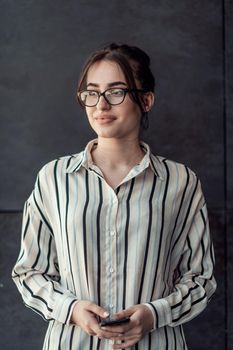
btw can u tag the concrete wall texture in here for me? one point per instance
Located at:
(43, 45)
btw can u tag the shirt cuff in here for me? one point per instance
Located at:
(64, 307)
(71, 311)
(161, 311)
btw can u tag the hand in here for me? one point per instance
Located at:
(141, 322)
(85, 315)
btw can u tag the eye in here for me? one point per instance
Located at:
(116, 92)
(90, 93)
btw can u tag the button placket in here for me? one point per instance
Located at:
(112, 268)
(112, 233)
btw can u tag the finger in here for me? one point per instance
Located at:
(112, 330)
(124, 313)
(95, 327)
(118, 329)
(99, 311)
(102, 333)
(91, 326)
(109, 335)
(123, 328)
(123, 337)
(126, 344)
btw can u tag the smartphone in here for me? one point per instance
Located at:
(109, 322)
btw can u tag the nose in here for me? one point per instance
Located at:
(103, 104)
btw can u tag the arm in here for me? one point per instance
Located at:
(36, 272)
(194, 283)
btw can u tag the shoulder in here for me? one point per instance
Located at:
(60, 165)
(51, 177)
(171, 169)
(177, 176)
(180, 182)
(50, 183)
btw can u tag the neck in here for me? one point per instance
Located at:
(115, 152)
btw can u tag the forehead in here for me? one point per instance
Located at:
(105, 72)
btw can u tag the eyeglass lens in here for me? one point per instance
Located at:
(112, 96)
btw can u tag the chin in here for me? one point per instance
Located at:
(107, 135)
(104, 132)
(114, 133)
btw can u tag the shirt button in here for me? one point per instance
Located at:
(111, 270)
(111, 306)
(112, 233)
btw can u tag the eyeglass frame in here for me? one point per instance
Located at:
(126, 90)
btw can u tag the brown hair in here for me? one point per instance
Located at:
(135, 64)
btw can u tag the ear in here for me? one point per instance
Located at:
(148, 100)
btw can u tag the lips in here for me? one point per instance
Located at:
(105, 116)
(102, 119)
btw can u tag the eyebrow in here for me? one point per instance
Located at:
(109, 85)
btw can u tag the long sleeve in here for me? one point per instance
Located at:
(146, 243)
(194, 283)
(36, 272)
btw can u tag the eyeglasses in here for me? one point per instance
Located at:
(113, 96)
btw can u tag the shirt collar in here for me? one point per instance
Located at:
(84, 159)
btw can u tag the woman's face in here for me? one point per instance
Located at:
(108, 121)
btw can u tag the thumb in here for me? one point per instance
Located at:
(99, 311)
(123, 313)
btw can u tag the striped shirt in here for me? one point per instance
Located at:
(147, 241)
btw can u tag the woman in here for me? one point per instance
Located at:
(115, 232)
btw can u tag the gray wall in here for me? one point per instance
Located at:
(43, 46)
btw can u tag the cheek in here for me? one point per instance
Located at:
(134, 112)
